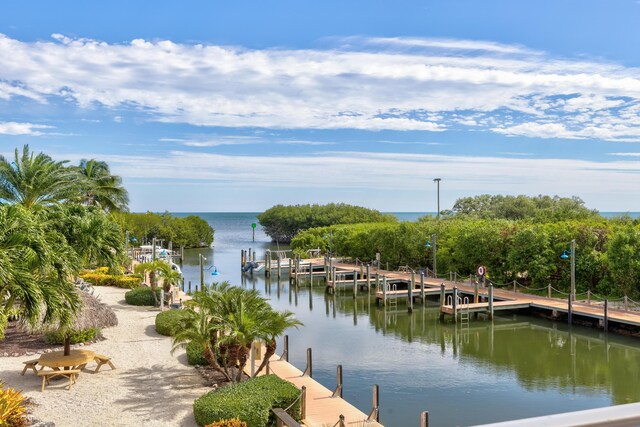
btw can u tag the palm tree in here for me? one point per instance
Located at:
(100, 188)
(169, 276)
(152, 268)
(276, 324)
(35, 267)
(36, 180)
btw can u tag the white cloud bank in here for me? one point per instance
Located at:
(404, 84)
(16, 128)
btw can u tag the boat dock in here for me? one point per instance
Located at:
(320, 406)
(456, 297)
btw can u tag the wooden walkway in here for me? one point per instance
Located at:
(321, 409)
(512, 300)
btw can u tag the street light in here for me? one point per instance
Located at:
(201, 258)
(572, 255)
(437, 181)
(433, 244)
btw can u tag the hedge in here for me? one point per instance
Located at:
(169, 322)
(76, 336)
(251, 401)
(100, 277)
(194, 354)
(141, 296)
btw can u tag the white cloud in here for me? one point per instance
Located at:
(478, 84)
(15, 128)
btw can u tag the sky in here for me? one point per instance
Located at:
(238, 106)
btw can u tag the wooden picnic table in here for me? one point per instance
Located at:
(76, 359)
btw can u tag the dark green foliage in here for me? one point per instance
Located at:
(141, 296)
(251, 401)
(85, 335)
(194, 354)
(282, 223)
(190, 231)
(541, 208)
(169, 322)
(607, 251)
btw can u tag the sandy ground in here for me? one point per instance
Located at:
(149, 387)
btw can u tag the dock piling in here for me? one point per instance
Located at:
(475, 293)
(490, 300)
(285, 351)
(424, 419)
(368, 278)
(338, 390)
(454, 304)
(189, 287)
(422, 287)
(308, 371)
(606, 315)
(374, 415)
(384, 290)
(410, 293)
(569, 309)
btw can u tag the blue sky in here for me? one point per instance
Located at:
(236, 106)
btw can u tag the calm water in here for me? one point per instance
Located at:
(516, 367)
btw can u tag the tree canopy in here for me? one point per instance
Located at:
(189, 231)
(282, 223)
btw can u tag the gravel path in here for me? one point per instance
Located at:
(150, 387)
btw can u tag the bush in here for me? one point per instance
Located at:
(194, 354)
(83, 335)
(100, 277)
(251, 401)
(141, 296)
(233, 422)
(169, 322)
(12, 409)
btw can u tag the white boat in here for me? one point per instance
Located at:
(146, 255)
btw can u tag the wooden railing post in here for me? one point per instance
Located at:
(374, 415)
(285, 351)
(424, 419)
(589, 296)
(338, 390)
(308, 371)
(303, 403)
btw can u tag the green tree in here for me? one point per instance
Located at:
(623, 259)
(36, 179)
(100, 187)
(152, 268)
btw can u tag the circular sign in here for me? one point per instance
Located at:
(254, 225)
(482, 270)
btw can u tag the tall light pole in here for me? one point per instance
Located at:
(437, 181)
(201, 258)
(572, 255)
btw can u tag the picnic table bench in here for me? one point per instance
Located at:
(72, 374)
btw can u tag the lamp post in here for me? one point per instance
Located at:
(437, 181)
(572, 255)
(433, 245)
(201, 259)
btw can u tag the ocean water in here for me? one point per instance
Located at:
(515, 367)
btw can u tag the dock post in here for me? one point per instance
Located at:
(377, 282)
(455, 280)
(290, 268)
(384, 290)
(355, 283)
(308, 371)
(303, 403)
(470, 280)
(241, 258)
(490, 300)
(253, 256)
(454, 302)
(626, 303)
(606, 315)
(450, 276)
(338, 390)
(443, 294)
(285, 351)
(183, 289)
(267, 263)
(374, 415)
(549, 290)
(515, 282)
(310, 274)
(181, 254)
(422, 287)
(569, 309)
(333, 275)
(368, 278)
(410, 293)
(424, 419)
(279, 268)
(475, 293)
(189, 287)
(589, 296)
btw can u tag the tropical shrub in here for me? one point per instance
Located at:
(141, 296)
(251, 401)
(169, 322)
(233, 422)
(194, 354)
(76, 336)
(282, 223)
(12, 409)
(100, 277)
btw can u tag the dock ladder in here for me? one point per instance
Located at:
(464, 311)
(393, 302)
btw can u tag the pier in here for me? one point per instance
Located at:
(457, 298)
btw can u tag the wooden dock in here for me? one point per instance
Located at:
(322, 409)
